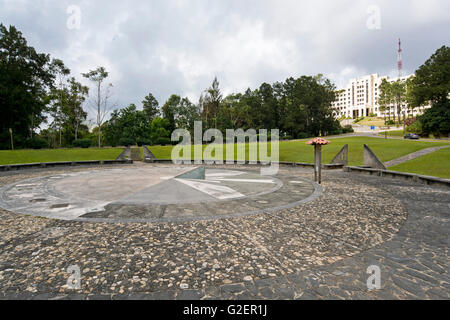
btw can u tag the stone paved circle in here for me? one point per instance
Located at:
(156, 193)
(315, 250)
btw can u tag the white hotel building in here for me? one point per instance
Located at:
(360, 97)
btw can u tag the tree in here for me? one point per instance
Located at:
(150, 107)
(211, 104)
(384, 99)
(431, 84)
(186, 114)
(324, 93)
(393, 94)
(305, 106)
(160, 131)
(298, 107)
(169, 110)
(58, 96)
(436, 120)
(398, 97)
(253, 104)
(76, 113)
(432, 79)
(409, 96)
(234, 111)
(25, 80)
(66, 108)
(112, 129)
(135, 125)
(102, 102)
(127, 124)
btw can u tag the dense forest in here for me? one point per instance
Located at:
(43, 105)
(298, 107)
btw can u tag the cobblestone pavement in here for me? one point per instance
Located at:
(318, 250)
(413, 155)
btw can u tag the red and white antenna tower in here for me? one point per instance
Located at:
(399, 60)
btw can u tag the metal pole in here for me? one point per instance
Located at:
(12, 141)
(318, 163)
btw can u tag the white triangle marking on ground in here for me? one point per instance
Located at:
(223, 174)
(249, 180)
(218, 192)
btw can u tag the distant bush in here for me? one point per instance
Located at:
(372, 115)
(410, 121)
(358, 120)
(5, 143)
(303, 135)
(82, 143)
(126, 142)
(347, 129)
(265, 136)
(287, 137)
(36, 143)
(143, 141)
(163, 141)
(389, 122)
(416, 128)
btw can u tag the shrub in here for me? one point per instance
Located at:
(126, 142)
(287, 137)
(36, 143)
(333, 132)
(265, 136)
(143, 141)
(82, 143)
(416, 128)
(163, 141)
(347, 129)
(303, 135)
(389, 122)
(5, 143)
(410, 121)
(436, 120)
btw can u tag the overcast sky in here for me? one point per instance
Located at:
(167, 47)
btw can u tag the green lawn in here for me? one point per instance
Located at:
(293, 151)
(399, 134)
(56, 155)
(394, 133)
(372, 121)
(435, 164)
(298, 151)
(377, 122)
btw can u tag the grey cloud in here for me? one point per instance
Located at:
(167, 47)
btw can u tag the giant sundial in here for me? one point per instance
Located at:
(156, 193)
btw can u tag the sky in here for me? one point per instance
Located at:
(179, 46)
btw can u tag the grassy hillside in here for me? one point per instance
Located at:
(55, 155)
(298, 151)
(434, 164)
(294, 151)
